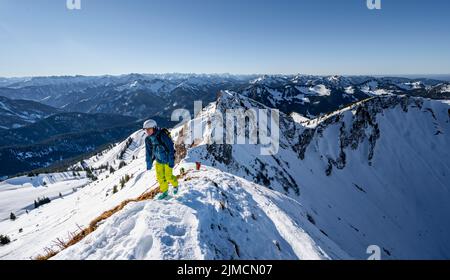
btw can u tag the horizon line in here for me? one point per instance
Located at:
(221, 74)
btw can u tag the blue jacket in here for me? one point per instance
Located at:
(159, 147)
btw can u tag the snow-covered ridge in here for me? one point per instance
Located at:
(370, 174)
(218, 216)
(299, 118)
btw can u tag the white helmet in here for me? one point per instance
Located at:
(149, 124)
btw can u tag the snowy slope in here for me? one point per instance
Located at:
(298, 118)
(18, 194)
(374, 173)
(320, 90)
(371, 174)
(217, 216)
(58, 219)
(168, 230)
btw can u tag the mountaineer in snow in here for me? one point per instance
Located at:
(159, 147)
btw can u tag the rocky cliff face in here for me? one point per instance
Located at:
(371, 161)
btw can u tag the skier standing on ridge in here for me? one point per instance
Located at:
(159, 147)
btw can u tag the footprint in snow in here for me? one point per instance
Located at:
(144, 246)
(174, 219)
(175, 230)
(127, 226)
(167, 212)
(167, 240)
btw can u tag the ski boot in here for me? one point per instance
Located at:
(163, 195)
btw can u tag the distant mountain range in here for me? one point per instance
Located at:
(141, 96)
(44, 120)
(315, 95)
(441, 77)
(17, 113)
(131, 95)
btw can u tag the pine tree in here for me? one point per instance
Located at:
(4, 239)
(12, 216)
(115, 189)
(41, 201)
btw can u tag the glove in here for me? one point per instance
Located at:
(149, 166)
(171, 164)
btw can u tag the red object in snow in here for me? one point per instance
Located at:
(197, 165)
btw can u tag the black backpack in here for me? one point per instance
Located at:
(167, 132)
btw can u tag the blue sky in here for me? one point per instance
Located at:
(43, 37)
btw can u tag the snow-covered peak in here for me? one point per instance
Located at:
(320, 90)
(270, 80)
(445, 88)
(299, 118)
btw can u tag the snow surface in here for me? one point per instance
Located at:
(350, 90)
(18, 194)
(242, 205)
(194, 226)
(299, 118)
(410, 85)
(61, 217)
(445, 88)
(320, 90)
